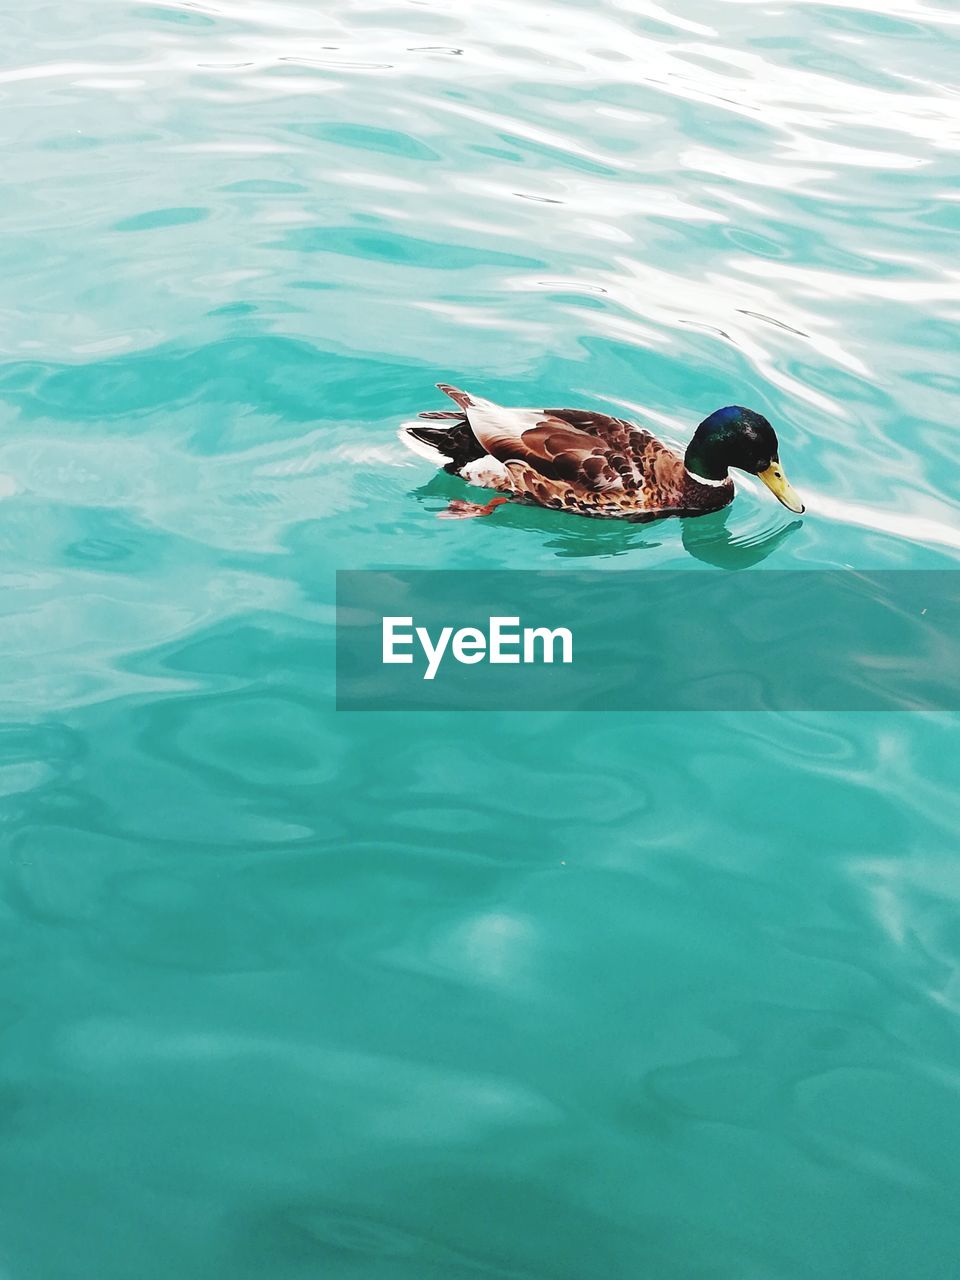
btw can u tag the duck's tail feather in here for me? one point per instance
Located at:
(425, 442)
(465, 399)
(451, 447)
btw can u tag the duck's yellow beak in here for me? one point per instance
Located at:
(781, 488)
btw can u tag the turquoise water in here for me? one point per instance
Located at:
(290, 993)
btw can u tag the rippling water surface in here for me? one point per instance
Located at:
(290, 994)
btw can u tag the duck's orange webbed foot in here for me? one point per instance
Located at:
(460, 509)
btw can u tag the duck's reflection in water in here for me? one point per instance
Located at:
(708, 538)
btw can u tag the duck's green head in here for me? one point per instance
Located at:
(738, 437)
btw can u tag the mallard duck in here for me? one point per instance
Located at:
(591, 464)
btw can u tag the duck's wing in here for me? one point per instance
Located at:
(637, 456)
(576, 458)
(590, 451)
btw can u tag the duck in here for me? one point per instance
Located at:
(592, 464)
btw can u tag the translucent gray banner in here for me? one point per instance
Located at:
(693, 640)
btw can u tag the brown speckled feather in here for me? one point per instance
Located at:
(584, 462)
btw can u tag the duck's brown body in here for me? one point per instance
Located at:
(573, 460)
